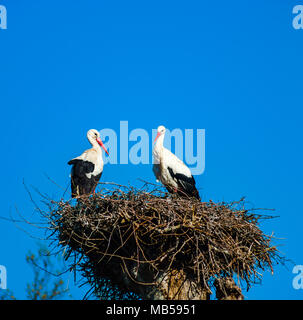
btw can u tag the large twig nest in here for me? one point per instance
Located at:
(127, 239)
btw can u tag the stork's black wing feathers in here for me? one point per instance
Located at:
(80, 183)
(82, 166)
(186, 185)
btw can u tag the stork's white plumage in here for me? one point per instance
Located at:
(87, 168)
(171, 171)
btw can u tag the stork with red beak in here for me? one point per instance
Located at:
(87, 168)
(171, 171)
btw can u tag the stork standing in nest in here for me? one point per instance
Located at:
(87, 168)
(171, 171)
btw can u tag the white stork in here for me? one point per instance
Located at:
(171, 171)
(87, 168)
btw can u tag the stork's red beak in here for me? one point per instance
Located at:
(157, 136)
(102, 145)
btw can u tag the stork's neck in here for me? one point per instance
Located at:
(95, 145)
(158, 148)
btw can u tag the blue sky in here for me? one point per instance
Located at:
(232, 68)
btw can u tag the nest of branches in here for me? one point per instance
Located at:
(129, 242)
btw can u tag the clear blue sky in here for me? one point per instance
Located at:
(233, 68)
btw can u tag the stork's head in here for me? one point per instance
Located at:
(160, 132)
(93, 136)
